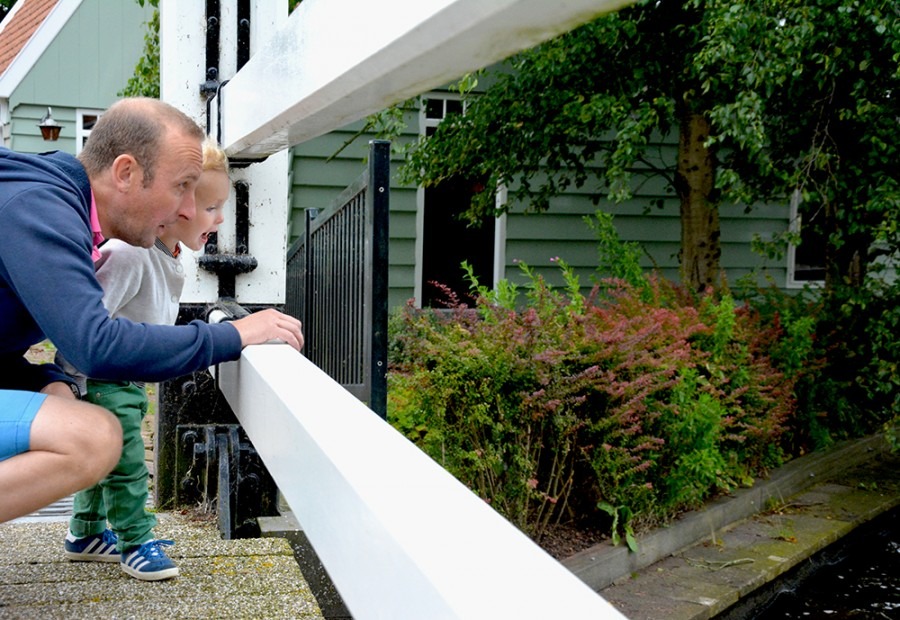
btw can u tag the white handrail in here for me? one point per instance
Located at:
(399, 536)
(335, 61)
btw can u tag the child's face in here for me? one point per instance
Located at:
(212, 192)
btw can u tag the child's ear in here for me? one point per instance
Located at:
(127, 173)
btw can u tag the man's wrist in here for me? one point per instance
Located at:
(75, 391)
(62, 389)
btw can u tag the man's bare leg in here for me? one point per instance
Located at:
(73, 445)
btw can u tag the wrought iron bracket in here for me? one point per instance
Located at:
(217, 466)
(227, 265)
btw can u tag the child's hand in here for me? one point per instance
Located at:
(266, 325)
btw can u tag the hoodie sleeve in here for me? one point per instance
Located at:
(48, 263)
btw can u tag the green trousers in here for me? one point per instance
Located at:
(121, 497)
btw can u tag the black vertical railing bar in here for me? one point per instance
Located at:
(356, 294)
(331, 314)
(243, 33)
(379, 205)
(211, 85)
(337, 283)
(308, 285)
(340, 323)
(358, 273)
(242, 217)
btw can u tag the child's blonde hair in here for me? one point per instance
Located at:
(214, 157)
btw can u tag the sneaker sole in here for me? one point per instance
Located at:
(157, 575)
(91, 557)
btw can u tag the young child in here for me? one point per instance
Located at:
(143, 285)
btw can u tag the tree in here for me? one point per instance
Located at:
(765, 97)
(810, 103)
(5, 6)
(768, 98)
(145, 81)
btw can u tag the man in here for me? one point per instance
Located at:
(137, 172)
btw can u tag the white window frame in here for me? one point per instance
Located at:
(4, 122)
(426, 123)
(81, 134)
(795, 226)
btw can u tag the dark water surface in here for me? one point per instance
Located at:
(858, 580)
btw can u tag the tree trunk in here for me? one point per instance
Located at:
(846, 264)
(700, 247)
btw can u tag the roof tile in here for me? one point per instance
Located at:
(24, 24)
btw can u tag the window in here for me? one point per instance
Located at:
(84, 123)
(443, 239)
(806, 261)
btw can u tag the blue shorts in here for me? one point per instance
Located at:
(17, 411)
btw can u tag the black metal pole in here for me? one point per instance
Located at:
(379, 197)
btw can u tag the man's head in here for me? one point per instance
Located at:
(143, 159)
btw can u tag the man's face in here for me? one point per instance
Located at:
(169, 197)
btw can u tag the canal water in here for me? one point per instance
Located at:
(856, 579)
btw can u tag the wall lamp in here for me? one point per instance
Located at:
(49, 127)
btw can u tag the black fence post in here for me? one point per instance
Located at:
(337, 282)
(379, 205)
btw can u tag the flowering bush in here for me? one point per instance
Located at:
(623, 407)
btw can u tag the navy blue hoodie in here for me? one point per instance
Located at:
(48, 288)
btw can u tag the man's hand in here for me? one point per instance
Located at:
(267, 325)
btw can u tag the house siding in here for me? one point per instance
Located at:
(89, 61)
(318, 176)
(537, 238)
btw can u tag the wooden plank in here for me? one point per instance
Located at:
(337, 61)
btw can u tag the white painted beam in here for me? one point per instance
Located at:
(400, 537)
(183, 70)
(337, 61)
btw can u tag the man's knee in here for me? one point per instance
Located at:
(105, 439)
(90, 437)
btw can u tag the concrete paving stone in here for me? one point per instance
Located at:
(247, 578)
(650, 597)
(43, 542)
(51, 572)
(238, 607)
(741, 572)
(250, 575)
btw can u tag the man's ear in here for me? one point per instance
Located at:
(126, 172)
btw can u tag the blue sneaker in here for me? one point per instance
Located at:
(96, 548)
(149, 562)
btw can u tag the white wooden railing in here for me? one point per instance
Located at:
(399, 536)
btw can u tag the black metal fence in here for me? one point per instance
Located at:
(337, 283)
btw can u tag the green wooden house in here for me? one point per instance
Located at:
(428, 243)
(70, 57)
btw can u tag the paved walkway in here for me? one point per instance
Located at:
(250, 578)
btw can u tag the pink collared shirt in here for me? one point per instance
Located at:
(95, 229)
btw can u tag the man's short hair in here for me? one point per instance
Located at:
(134, 126)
